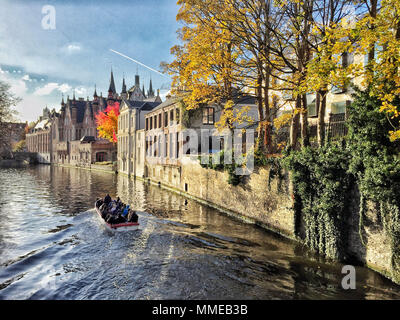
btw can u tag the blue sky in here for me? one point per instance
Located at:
(42, 64)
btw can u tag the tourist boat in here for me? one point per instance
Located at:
(126, 226)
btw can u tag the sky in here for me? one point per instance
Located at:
(42, 60)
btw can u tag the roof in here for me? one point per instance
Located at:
(80, 105)
(87, 139)
(245, 99)
(142, 105)
(153, 99)
(42, 124)
(166, 103)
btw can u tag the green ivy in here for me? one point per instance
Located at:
(322, 185)
(323, 178)
(375, 162)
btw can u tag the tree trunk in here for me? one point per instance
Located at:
(260, 141)
(295, 125)
(321, 117)
(371, 52)
(304, 122)
(267, 122)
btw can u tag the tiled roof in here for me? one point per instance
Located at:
(166, 103)
(142, 105)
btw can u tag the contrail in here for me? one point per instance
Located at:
(139, 63)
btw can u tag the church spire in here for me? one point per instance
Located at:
(111, 89)
(95, 92)
(144, 91)
(150, 93)
(124, 94)
(123, 85)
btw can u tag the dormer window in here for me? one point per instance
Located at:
(208, 115)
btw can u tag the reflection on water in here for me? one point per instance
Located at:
(53, 246)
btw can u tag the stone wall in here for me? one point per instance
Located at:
(271, 206)
(369, 242)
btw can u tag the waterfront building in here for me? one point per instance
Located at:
(169, 128)
(131, 135)
(70, 136)
(39, 137)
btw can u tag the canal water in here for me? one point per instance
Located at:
(54, 246)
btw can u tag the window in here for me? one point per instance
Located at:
(171, 146)
(171, 116)
(147, 123)
(312, 109)
(166, 146)
(151, 123)
(338, 107)
(208, 115)
(159, 121)
(177, 145)
(165, 119)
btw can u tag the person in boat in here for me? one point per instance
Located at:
(99, 202)
(107, 199)
(132, 216)
(125, 211)
(115, 218)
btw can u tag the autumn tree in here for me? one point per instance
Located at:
(379, 33)
(225, 46)
(107, 122)
(7, 113)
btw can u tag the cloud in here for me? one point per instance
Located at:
(26, 78)
(73, 48)
(64, 88)
(80, 91)
(50, 87)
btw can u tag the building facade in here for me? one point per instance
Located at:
(70, 136)
(131, 135)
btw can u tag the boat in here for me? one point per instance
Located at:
(126, 226)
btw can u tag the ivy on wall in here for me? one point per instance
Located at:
(322, 184)
(323, 178)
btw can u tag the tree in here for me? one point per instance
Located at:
(107, 122)
(7, 101)
(20, 146)
(225, 45)
(379, 33)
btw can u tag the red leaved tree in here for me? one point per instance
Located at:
(107, 122)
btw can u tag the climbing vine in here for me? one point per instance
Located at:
(376, 164)
(324, 177)
(322, 184)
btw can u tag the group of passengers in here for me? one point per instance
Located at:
(115, 211)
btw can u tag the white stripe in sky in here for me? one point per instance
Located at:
(138, 63)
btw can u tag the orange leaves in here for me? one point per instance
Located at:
(107, 122)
